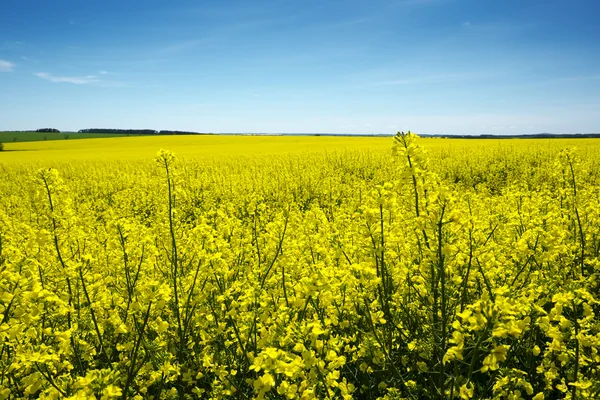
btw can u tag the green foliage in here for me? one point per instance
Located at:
(53, 130)
(46, 135)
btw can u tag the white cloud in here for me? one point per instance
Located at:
(77, 80)
(103, 72)
(6, 66)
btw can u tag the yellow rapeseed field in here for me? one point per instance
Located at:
(300, 267)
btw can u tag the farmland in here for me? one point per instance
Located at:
(9, 136)
(300, 267)
(198, 147)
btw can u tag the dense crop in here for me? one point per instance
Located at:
(461, 273)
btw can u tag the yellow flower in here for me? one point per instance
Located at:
(498, 354)
(466, 391)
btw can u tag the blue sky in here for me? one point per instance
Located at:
(377, 66)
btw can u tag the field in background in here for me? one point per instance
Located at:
(15, 137)
(300, 267)
(140, 148)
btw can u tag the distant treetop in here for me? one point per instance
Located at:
(138, 131)
(128, 131)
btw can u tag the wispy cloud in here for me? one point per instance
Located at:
(77, 80)
(184, 45)
(498, 28)
(103, 72)
(355, 21)
(429, 79)
(6, 66)
(11, 45)
(420, 2)
(227, 31)
(382, 11)
(582, 78)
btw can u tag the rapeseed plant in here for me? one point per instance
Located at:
(440, 272)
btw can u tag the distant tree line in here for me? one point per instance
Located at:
(163, 132)
(126, 131)
(13, 131)
(51, 130)
(138, 131)
(524, 136)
